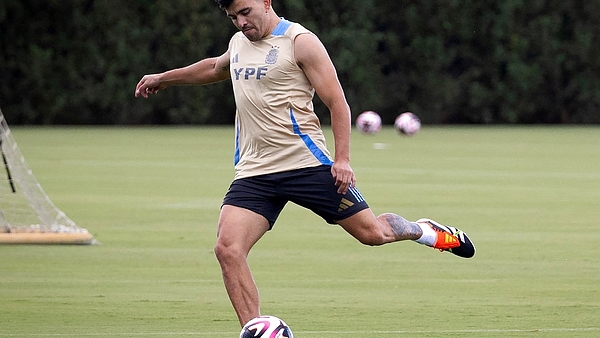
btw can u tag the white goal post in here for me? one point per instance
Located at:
(27, 215)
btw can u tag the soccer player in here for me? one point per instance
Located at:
(275, 67)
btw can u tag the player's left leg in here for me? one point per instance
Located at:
(314, 188)
(389, 227)
(386, 228)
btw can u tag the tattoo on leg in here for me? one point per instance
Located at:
(403, 228)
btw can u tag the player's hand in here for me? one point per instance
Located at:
(149, 84)
(343, 175)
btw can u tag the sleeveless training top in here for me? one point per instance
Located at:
(276, 127)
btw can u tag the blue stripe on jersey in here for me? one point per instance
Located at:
(282, 27)
(236, 155)
(318, 153)
(354, 191)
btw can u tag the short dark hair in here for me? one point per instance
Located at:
(223, 4)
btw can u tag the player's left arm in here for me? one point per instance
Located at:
(314, 60)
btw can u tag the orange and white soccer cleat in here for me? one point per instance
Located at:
(450, 239)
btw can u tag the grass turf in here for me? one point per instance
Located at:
(527, 196)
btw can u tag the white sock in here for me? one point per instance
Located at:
(429, 236)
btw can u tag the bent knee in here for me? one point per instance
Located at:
(373, 238)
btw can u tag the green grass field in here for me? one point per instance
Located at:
(529, 197)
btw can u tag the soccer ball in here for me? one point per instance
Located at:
(266, 327)
(368, 122)
(407, 124)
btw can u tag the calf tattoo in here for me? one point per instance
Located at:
(403, 228)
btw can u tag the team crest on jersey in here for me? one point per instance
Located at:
(272, 56)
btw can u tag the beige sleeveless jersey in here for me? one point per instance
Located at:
(276, 127)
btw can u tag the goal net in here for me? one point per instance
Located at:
(27, 216)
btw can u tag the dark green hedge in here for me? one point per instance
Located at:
(512, 61)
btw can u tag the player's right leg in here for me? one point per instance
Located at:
(239, 229)
(250, 208)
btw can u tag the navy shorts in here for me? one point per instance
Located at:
(313, 188)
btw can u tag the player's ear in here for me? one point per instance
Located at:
(267, 5)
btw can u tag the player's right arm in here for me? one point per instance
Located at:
(203, 72)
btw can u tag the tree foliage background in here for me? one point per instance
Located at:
(449, 61)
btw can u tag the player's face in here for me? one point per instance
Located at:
(250, 16)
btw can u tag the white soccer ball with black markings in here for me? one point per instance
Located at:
(407, 124)
(266, 327)
(368, 122)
